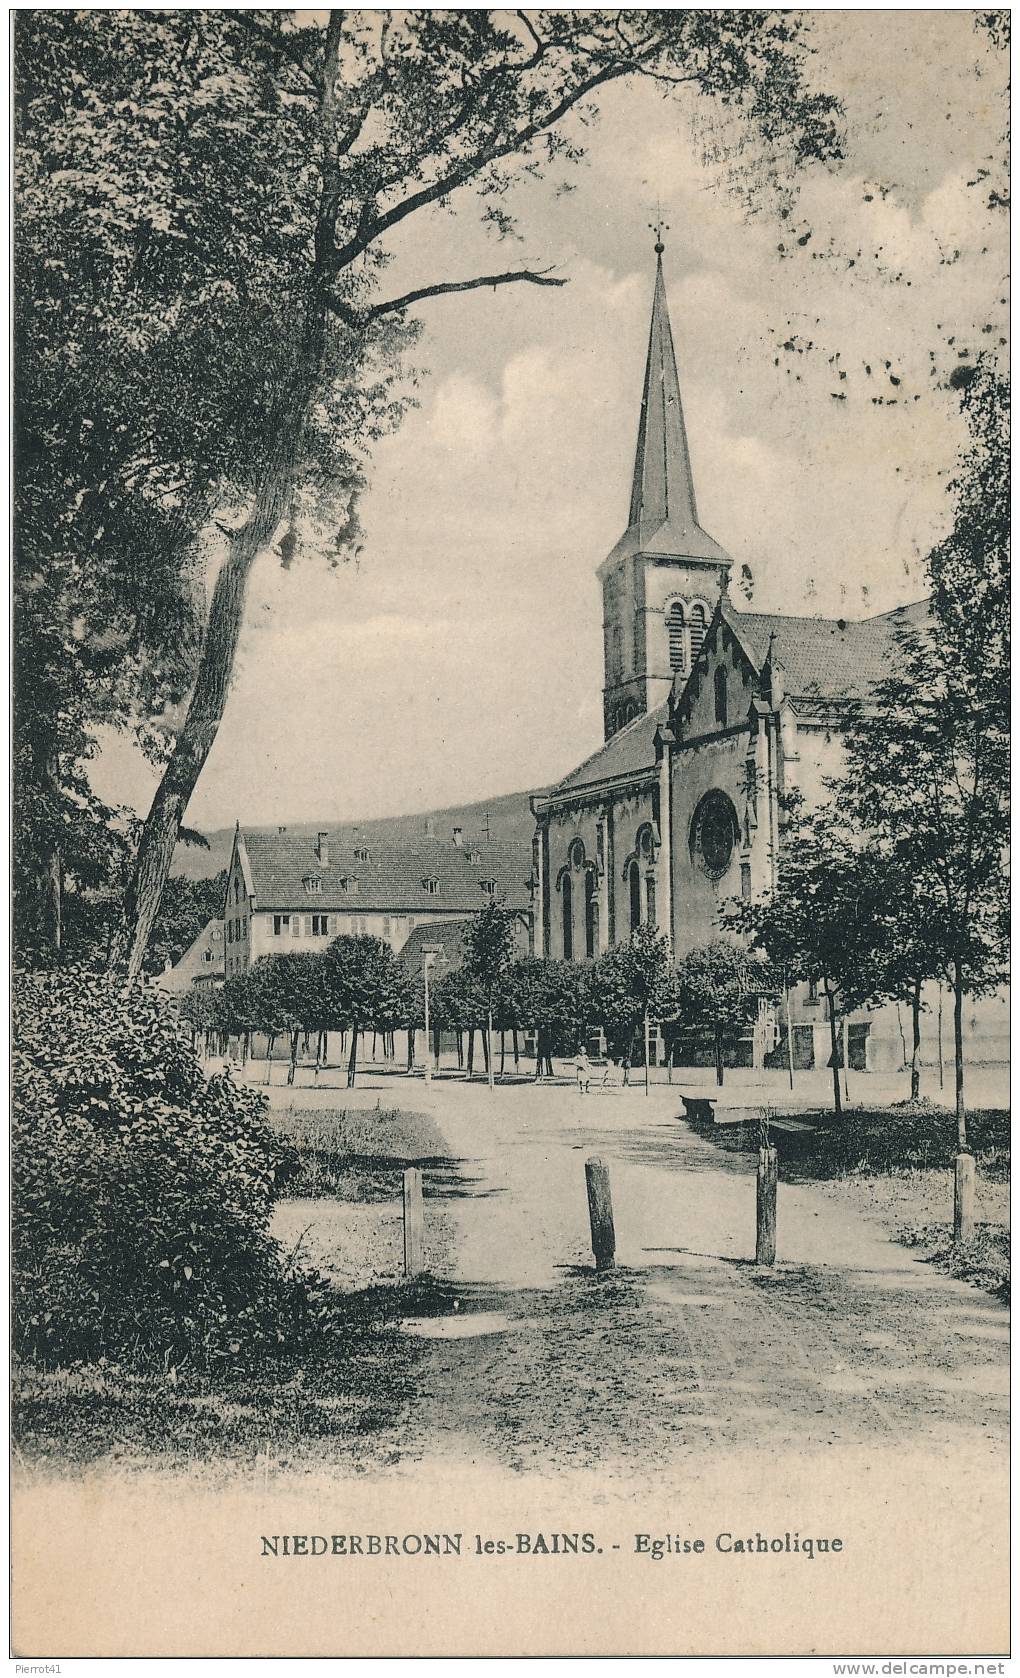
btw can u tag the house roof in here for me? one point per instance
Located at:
(663, 515)
(393, 876)
(192, 964)
(449, 936)
(628, 752)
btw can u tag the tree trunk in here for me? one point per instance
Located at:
(502, 1052)
(489, 1070)
(410, 1049)
(647, 1034)
(245, 1047)
(942, 1063)
(269, 1056)
(352, 1064)
(719, 1072)
(538, 1053)
(273, 492)
(915, 1057)
(834, 1040)
(460, 1051)
(437, 1045)
(471, 1053)
(517, 1051)
(961, 1111)
(295, 1038)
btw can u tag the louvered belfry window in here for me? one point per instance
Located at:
(699, 628)
(675, 631)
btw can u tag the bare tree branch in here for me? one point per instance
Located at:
(469, 167)
(358, 317)
(541, 276)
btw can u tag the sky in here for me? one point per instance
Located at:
(461, 655)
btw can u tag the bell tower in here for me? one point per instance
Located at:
(661, 582)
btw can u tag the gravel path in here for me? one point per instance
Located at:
(849, 1340)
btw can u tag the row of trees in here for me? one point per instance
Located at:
(358, 985)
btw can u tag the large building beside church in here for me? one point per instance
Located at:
(710, 715)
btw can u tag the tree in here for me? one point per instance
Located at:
(937, 754)
(225, 182)
(554, 998)
(928, 757)
(267, 1004)
(632, 984)
(489, 950)
(709, 994)
(363, 984)
(820, 922)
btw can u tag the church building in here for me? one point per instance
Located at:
(710, 716)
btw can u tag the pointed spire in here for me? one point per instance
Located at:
(662, 502)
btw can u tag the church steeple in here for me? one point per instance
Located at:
(662, 580)
(662, 501)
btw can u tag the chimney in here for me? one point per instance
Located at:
(322, 849)
(458, 837)
(430, 828)
(281, 830)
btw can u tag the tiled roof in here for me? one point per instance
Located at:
(192, 964)
(449, 935)
(629, 751)
(392, 877)
(830, 657)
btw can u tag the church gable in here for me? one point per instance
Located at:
(718, 693)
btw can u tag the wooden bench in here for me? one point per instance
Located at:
(699, 1108)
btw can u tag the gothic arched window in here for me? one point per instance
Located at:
(699, 628)
(567, 891)
(721, 704)
(675, 633)
(635, 895)
(591, 915)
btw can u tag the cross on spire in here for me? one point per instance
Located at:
(659, 227)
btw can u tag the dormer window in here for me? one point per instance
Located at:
(361, 854)
(349, 883)
(489, 887)
(312, 884)
(430, 886)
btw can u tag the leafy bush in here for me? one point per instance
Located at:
(142, 1189)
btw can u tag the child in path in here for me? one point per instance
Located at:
(583, 1071)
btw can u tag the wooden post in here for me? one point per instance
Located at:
(963, 1199)
(600, 1214)
(768, 1183)
(414, 1222)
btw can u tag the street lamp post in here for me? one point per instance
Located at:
(428, 957)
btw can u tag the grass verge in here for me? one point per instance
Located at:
(354, 1155)
(894, 1165)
